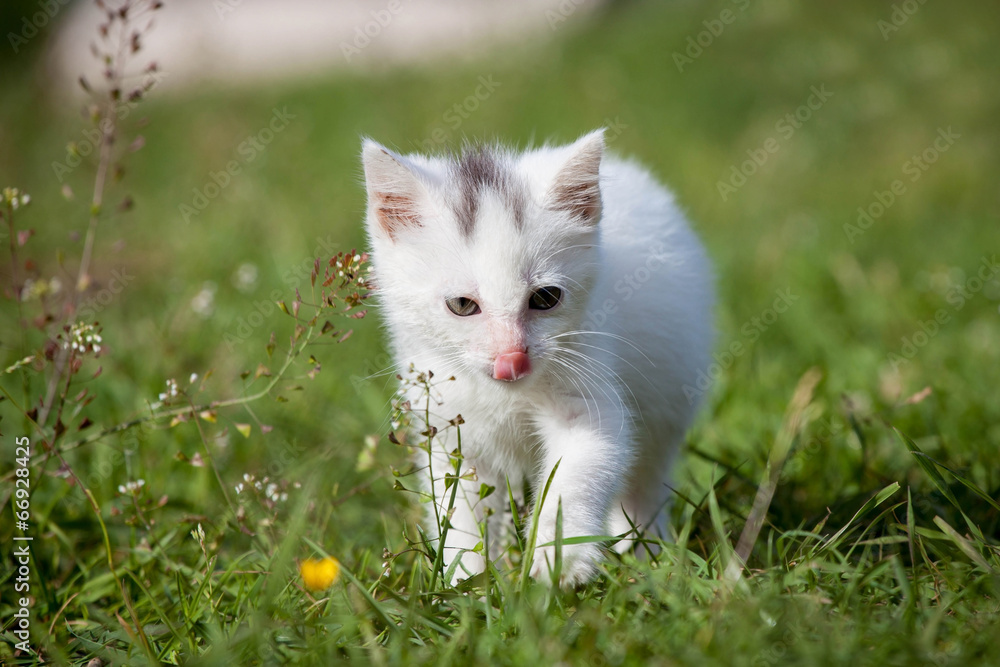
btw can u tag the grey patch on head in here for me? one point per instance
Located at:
(480, 168)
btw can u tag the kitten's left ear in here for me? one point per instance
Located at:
(394, 191)
(577, 188)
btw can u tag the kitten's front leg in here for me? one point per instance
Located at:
(464, 512)
(592, 463)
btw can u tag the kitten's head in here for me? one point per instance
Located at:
(483, 260)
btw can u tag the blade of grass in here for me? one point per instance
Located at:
(382, 614)
(444, 525)
(518, 524)
(929, 466)
(580, 539)
(487, 605)
(156, 607)
(726, 552)
(143, 639)
(910, 523)
(529, 552)
(557, 566)
(968, 484)
(369, 598)
(963, 544)
(790, 428)
(965, 482)
(872, 503)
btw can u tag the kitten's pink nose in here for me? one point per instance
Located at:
(511, 366)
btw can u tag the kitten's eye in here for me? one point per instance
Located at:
(462, 306)
(544, 298)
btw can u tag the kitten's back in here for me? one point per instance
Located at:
(656, 279)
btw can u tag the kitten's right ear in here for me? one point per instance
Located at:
(394, 192)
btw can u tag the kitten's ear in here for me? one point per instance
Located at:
(577, 188)
(394, 191)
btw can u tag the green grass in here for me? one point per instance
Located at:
(878, 547)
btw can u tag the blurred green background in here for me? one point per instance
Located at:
(859, 298)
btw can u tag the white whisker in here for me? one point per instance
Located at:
(609, 335)
(608, 389)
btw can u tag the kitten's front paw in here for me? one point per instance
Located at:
(579, 564)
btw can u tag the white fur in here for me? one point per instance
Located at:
(612, 411)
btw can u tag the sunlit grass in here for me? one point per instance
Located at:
(880, 541)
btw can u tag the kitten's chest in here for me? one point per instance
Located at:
(503, 440)
(498, 436)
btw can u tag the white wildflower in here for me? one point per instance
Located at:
(171, 392)
(203, 303)
(83, 338)
(245, 277)
(131, 488)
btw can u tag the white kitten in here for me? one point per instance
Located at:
(572, 302)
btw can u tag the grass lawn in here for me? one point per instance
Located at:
(880, 544)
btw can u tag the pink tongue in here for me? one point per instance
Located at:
(511, 366)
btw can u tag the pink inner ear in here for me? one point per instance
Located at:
(577, 187)
(581, 200)
(396, 211)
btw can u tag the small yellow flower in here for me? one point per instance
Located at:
(320, 574)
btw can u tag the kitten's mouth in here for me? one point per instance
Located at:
(511, 366)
